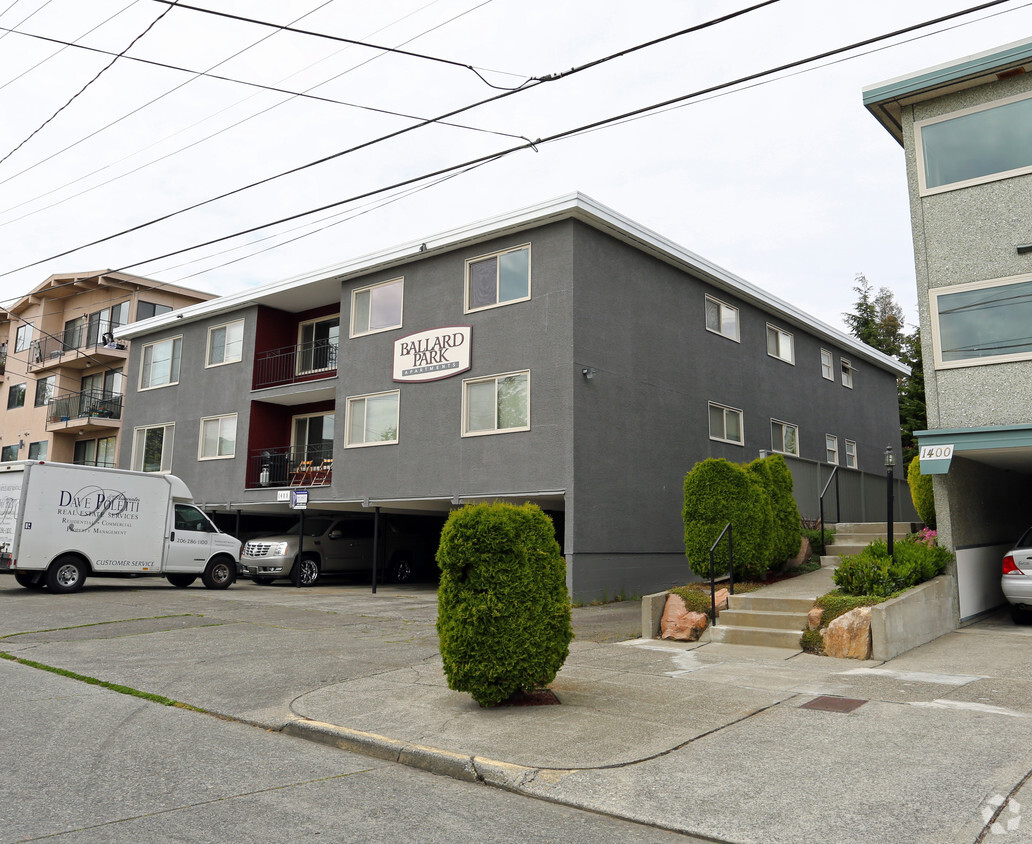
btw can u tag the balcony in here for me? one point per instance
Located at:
(3, 364)
(295, 364)
(69, 348)
(289, 467)
(86, 412)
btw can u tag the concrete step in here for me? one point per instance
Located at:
(830, 561)
(878, 528)
(766, 619)
(759, 602)
(843, 549)
(755, 636)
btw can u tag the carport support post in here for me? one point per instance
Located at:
(376, 543)
(300, 547)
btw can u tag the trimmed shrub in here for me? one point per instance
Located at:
(921, 492)
(814, 535)
(785, 535)
(503, 610)
(717, 492)
(873, 572)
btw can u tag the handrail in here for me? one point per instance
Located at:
(838, 502)
(730, 569)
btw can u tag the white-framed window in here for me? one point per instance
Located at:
(982, 322)
(152, 448)
(498, 279)
(312, 436)
(975, 145)
(725, 424)
(372, 419)
(784, 437)
(847, 373)
(850, 454)
(831, 449)
(722, 318)
(22, 338)
(780, 344)
(827, 365)
(225, 343)
(317, 345)
(496, 404)
(377, 308)
(160, 363)
(218, 437)
(38, 450)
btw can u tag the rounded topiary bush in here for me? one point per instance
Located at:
(921, 493)
(785, 531)
(503, 610)
(716, 492)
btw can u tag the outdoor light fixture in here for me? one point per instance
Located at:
(890, 462)
(588, 372)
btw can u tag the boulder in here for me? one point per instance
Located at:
(849, 635)
(679, 623)
(813, 618)
(805, 552)
(721, 599)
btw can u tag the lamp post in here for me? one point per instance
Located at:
(890, 462)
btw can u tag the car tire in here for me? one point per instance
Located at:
(1020, 614)
(31, 579)
(310, 571)
(401, 569)
(219, 573)
(66, 575)
(181, 581)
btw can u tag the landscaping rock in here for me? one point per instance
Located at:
(679, 623)
(813, 618)
(805, 552)
(849, 635)
(721, 599)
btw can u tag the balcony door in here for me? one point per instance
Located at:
(312, 438)
(317, 345)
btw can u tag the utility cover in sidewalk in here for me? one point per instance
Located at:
(834, 704)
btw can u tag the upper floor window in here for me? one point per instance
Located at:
(45, 390)
(312, 437)
(827, 365)
(16, 396)
(225, 343)
(160, 365)
(496, 404)
(372, 420)
(780, 344)
(975, 145)
(721, 318)
(784, 437)
(725, 424)
(22, 338)
(983, 322)
(218, 437)
(152, 448)
(847, 373)
(317, 345)
(850, 454)
(498, 279)
(831, 449)
(101, 325)
(377, 308)
(145, 310)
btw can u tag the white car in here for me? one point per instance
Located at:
(1017, 578)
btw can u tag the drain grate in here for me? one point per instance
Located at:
(826, 703)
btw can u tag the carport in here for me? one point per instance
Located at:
(983, 502)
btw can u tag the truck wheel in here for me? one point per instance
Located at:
(400, 570)
(66, 574)
(218, 574)
(31, 579)
(309, 571)
(181, 581)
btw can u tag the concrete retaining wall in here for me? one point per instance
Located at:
(924, 613)
(652, 614)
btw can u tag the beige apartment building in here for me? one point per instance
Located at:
(62, 363)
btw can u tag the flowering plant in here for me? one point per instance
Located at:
(928, 536)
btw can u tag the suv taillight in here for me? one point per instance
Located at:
(1009, 567)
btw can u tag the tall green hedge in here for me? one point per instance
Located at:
(503, 610)
(785, 535)
(921, 492)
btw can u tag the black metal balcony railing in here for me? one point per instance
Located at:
(294, 466)
(46, 349)
(3, 363)
(99, 404)
(304, 362)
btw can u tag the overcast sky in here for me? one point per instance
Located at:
(790, 184)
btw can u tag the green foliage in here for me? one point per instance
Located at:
(503, 610)
(913, 412)
(812, 641)
(873, 572)
(717, 492)
(785, 534)
(814, 535)
(921, 492)
(698, 598)
(834, 604)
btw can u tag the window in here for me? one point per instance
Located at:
(100, 326)
(218, 437)
(38, 450)
(225, 343)
(161, 363)
(779, 344)
(831, 449)
(827, 365)
(22, 338)
(496, 404)
(984, 322)
(784, 437)
(9, 453)
(95, 452)
(721, 318)
(725, 424)
(847, 373)
(313, 436)
(104, 385)
(976, 145)
(377, 308)
(152, 448)
(850, 454)
(498, 279)
(45, 390)
(372, 420)
(71, 337)
(145, 310)
(16, 396)
(190, 518)
(317, 341)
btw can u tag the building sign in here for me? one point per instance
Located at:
(935, 459)
(299, 499)
(432, 355)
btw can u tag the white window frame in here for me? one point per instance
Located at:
(352, 402)
(167, 445)
(143, 356)
(201, 439)
(298, 366)
(721, 307)
(467, 308)
(784, 426)
(782, 338)
(851, 455)
(225, 345)
(827, 365)
(831, 449)
(23, 337)
(726, 409)
(356, 331)
(467, 383)
(846, 370)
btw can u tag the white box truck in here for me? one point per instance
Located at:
(60, 523)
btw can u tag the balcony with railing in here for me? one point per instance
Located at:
(296, 466)
(75, 348)
(92, 410)
(304, 362)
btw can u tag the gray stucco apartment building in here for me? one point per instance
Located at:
(560, 354)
